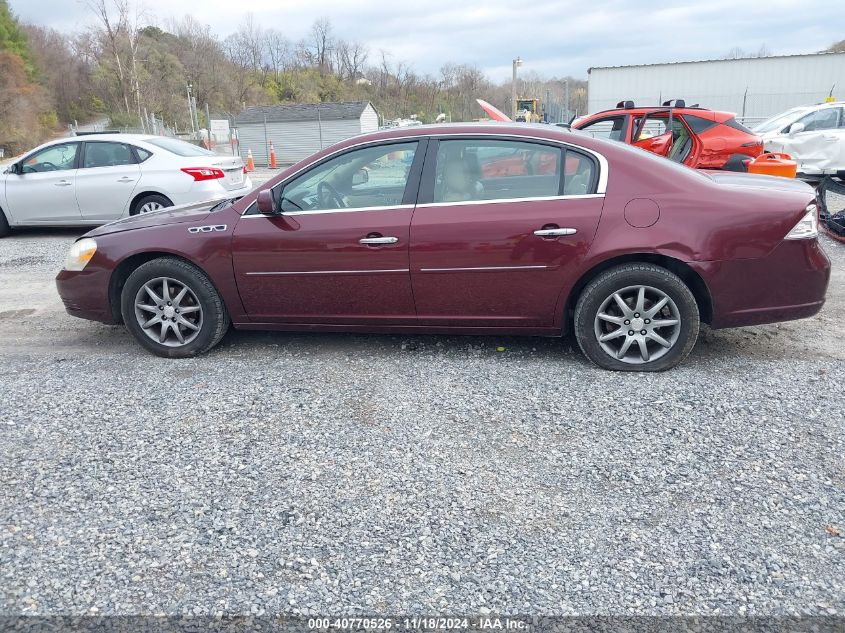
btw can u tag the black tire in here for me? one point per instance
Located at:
(4, 225)
(213, 319)
(156, 198)
(624, 279)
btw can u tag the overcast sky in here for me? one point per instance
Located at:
(555, 38)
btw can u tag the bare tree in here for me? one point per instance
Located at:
(322, 43)
(115, 29)
(279, 51)
(351, 59)
(246, 47)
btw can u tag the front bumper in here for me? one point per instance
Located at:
(85, 294)
(790, 283)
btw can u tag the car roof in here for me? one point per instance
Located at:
(704, 113)
(106, 136)
(826, 104)
(533, 130)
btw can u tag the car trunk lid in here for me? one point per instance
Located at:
(233, 170)
(759, 181)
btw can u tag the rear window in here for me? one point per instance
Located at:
(737, 126)
(698, 124)
(180, 148)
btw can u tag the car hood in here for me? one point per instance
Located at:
(170, 215)
(759, 181)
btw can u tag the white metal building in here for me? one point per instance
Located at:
(297, 131)
(755, 88)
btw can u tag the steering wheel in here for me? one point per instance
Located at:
(46, 166)
(329, 195)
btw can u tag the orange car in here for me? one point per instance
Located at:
(694, 136)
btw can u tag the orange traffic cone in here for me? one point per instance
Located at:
(272, 157)
(250, 163)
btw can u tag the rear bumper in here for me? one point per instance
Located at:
(85, 294)
(208, 190)
(790, 283)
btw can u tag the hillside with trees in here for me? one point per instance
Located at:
(129, 69)
(26, 113)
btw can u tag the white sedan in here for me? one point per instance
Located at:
(94, 179)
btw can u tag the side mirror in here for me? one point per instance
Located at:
(795, 128)
(360, 177)
(265, 201)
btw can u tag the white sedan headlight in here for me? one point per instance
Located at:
(808, 227)
(80, 254)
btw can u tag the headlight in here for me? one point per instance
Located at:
(80, 254)
(808, 227)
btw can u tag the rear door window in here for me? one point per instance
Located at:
(658, 124)
(478, 170)
(579, 174)
(103, 154)
(655, 125)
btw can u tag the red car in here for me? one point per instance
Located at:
(696, 137)
(401, 231)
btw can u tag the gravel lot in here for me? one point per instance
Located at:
(326, 474)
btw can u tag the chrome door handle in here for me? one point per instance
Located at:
(126, 179)
(554, 232)
(64, 183)
(378, 240)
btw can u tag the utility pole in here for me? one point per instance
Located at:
(566, 99)
(208, 123)
(320, 125)
(516, 64)
(190, 107)
(196, 115)
(267, 140)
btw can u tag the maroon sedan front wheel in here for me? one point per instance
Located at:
(636, 317)
(173, 309)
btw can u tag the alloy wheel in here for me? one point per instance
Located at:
(168, 312)
(637, 324)
(150, 206)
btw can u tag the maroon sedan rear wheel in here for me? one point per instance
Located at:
(636, 317)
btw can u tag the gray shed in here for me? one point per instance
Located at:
(299, 130)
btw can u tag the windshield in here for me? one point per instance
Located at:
(180, 148)
(779, 121)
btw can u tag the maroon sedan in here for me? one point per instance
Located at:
(416, 230)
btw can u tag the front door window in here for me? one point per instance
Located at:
(369, 177)
(611, 128)
(55, 158)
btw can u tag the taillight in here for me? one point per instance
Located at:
(203, 173)
(807, 227)
(245, 171)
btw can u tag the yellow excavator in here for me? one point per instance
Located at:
(528, 111)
